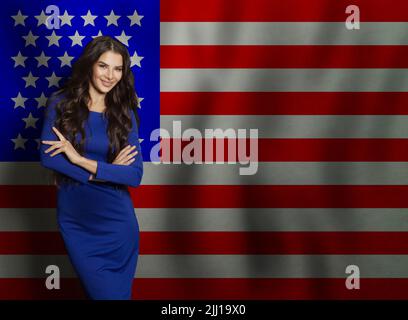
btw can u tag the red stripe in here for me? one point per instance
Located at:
(283, 56)
(274, 242)
(35, 289)
(31, 243)
(295, 149)
(283, 103)
(237, 196)
(227, 243)
(272, 196)
(218, 289)
(288, 10)
(268, 289)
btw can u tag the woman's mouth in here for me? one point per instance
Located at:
(106, 84)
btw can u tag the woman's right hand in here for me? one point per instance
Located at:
(126, 156)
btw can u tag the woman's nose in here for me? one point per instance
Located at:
(109, 74)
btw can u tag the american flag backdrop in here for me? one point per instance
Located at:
(330, 107)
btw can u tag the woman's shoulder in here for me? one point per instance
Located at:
(52, 102)
(56, 97)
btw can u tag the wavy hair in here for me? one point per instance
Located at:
(73, 98)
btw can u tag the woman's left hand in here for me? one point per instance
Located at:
(63, 145)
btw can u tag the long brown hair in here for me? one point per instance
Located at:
(73, 98)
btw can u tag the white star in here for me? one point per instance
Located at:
(53, 39)
(135, 60)
(140, 102)
(30, 39)
(30, 80)
(76, 39)
(112, 19)
(53, 80)
(19, 60)
(89, 18)
(19, 19)
(66, 19)
(42, 101)
(98, 35)
(123, 38)
(42, 19)
(140, 140)
(65, 60)
(135, 19)
(42, 60)
(19, 101)
(19, 142)
(30, 121)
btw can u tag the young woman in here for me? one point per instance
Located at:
(90, 141)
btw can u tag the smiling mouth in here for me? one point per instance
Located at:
(106, 84)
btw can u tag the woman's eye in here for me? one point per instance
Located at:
(103, 66)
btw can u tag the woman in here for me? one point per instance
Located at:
(90, 141)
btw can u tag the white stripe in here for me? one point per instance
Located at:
(283, 80)
(282, 33)
(224, 266)
(268, 173)
(327, 126)
(281, 173)
(222, 219)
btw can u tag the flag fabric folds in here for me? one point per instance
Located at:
(329, 104)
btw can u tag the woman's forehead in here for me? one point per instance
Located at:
(111, 58)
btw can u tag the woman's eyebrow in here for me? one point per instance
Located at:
(108, 64)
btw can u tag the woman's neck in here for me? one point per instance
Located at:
(97, 101)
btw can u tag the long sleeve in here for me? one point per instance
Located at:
(58, 162)
(130, 175)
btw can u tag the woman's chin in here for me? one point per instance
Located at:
(103, 89)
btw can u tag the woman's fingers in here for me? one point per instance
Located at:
(130, 156)
(124, 152)
(59, 134)
(129, 149)
(56, 152)
(126, 160)
(129, 162)
(125, 155)
(55, 146)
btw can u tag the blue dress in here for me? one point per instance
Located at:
(97, 219)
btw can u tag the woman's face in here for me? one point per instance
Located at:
(107, 71)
